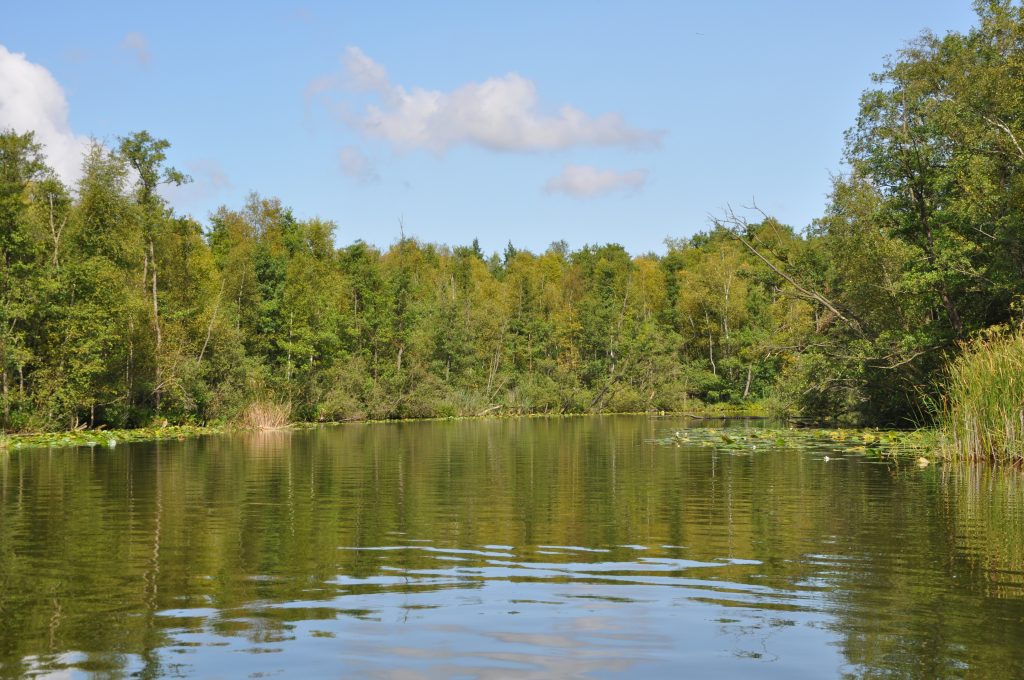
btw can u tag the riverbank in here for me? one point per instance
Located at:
(704, 432)
(111, 438)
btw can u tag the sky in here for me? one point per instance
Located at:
(525, 122)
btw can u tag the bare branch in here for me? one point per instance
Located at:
(1005, 128)
(737, 226)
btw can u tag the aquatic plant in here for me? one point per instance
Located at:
(893, 444)
(105, 438)
(983, 412)
(265, 415)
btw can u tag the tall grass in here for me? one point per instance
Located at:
(264, 415)
(983, 414)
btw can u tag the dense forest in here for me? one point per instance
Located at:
(116, 311)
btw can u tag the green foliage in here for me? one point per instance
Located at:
(983, 415)
(144, 317)
(921, 246)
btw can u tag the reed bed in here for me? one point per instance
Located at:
(983, 414)
(265, 415)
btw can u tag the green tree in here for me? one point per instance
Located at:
(22, 167)
(146, 156)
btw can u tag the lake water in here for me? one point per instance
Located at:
(535, 548)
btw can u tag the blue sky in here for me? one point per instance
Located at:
(591, 122)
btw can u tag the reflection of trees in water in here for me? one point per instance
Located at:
(94, 546)
(927, 606)
(987, 514)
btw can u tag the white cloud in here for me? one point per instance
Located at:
(500, 114)
(210, 172)
(137, 44)
(364, 73)
(209, 180)
(319, 86)
(31, 99)
(584, 181)
(356, 165)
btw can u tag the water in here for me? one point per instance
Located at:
(529, 548)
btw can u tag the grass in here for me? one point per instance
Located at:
(265, 415)
(983, 414)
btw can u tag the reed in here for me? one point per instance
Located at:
(264, 415)
(983, 412)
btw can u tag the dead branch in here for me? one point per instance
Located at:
(738, 226)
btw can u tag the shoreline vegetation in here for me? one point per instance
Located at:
(915, 445)
(887, 311)
(166, 431)
(983, 415)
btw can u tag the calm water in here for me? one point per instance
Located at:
(508, 548)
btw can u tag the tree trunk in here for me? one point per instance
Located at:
(156, 328)
(55, 233)
(7, 403)
(951, 311)
(711, 345)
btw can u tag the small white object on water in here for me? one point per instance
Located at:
(827, 459)
(111, 443)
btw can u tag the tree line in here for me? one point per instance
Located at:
(116, 311)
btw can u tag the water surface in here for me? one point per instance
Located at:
(577, 547)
